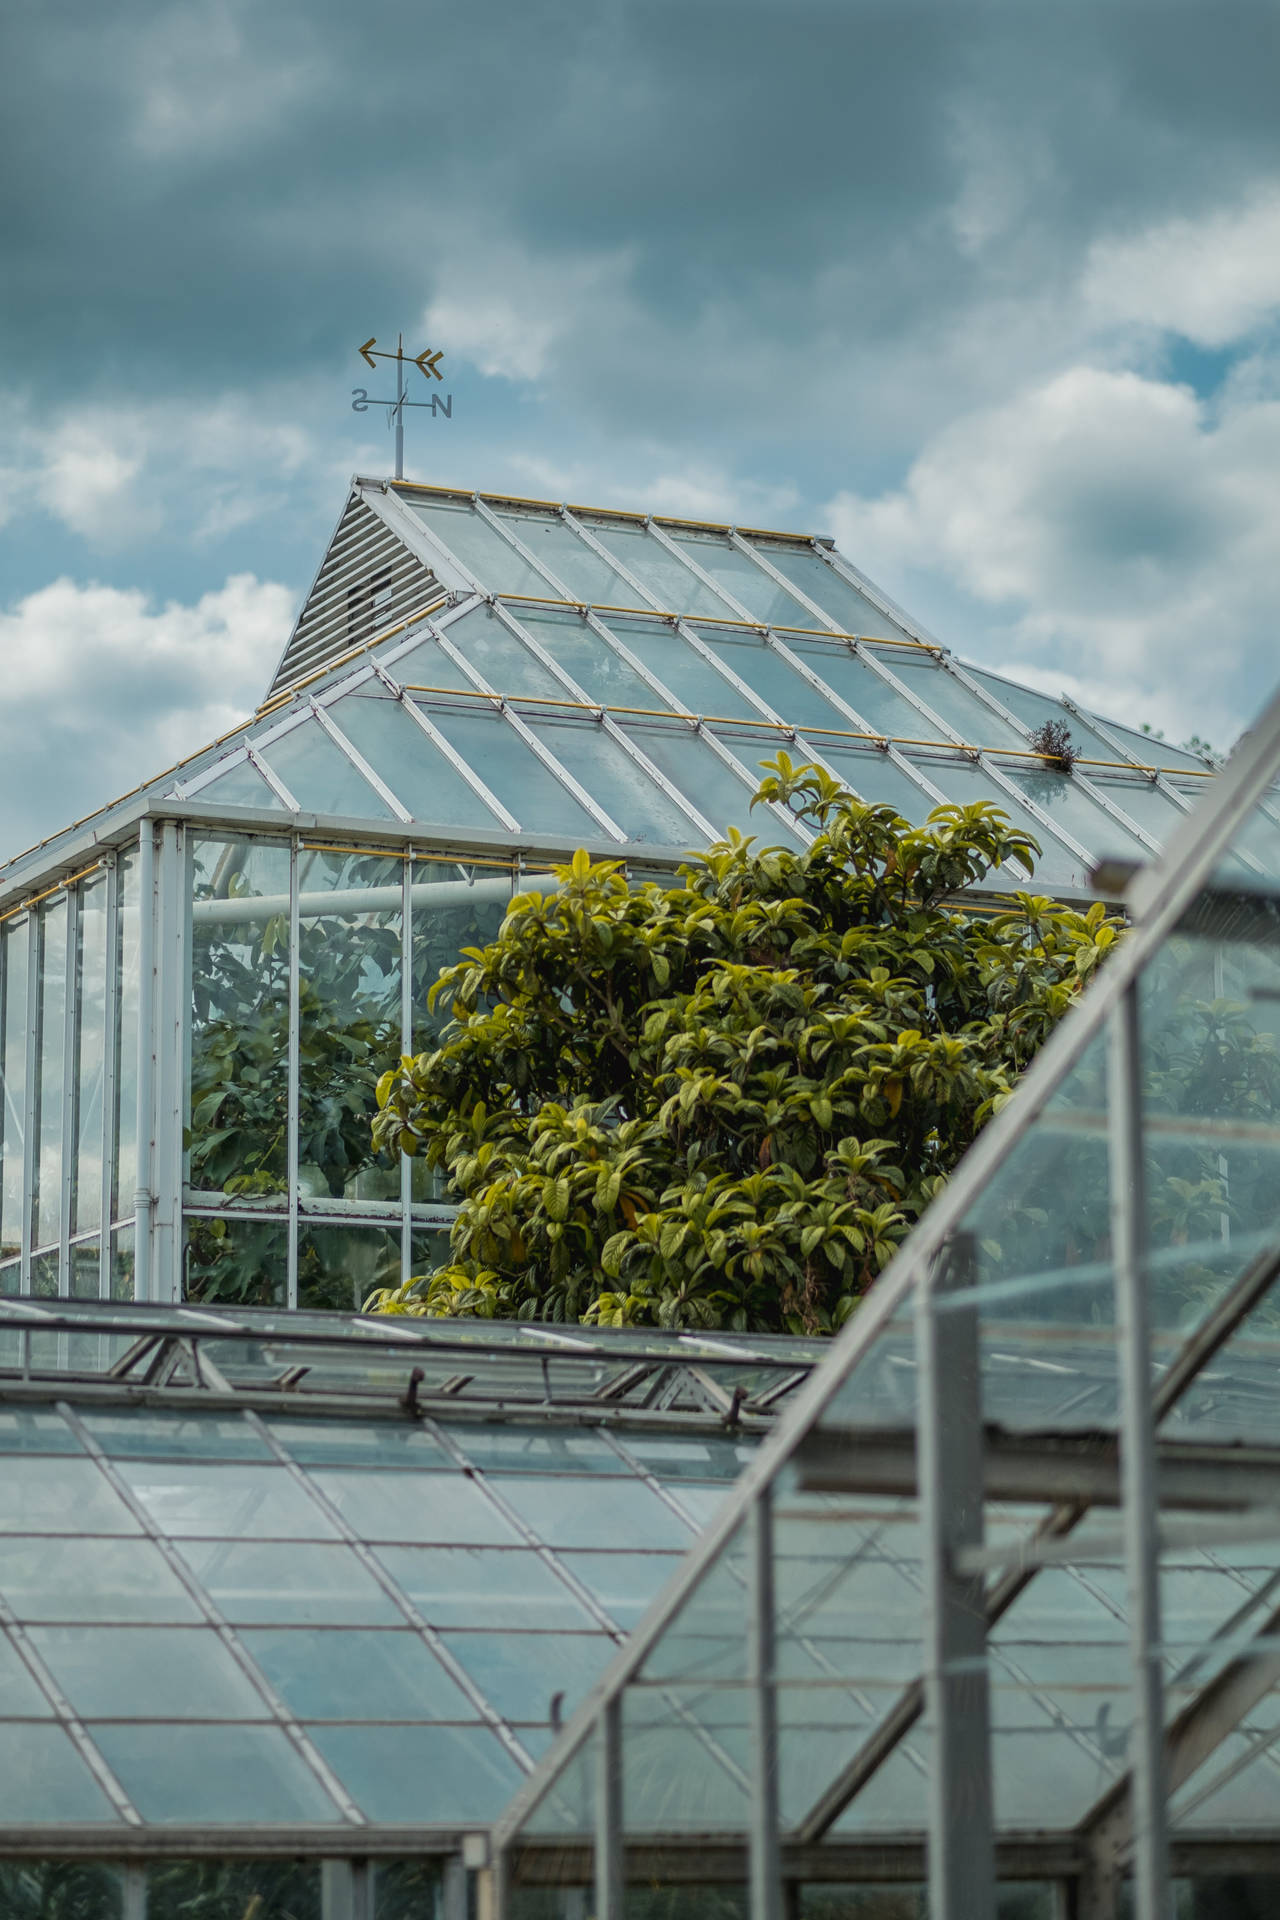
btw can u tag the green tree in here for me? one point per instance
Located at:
(725, 1102)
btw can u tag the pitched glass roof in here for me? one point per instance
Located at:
(468, 664)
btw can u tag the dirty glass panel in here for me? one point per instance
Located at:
(601, 672)
(126, 1115)
(511, 770)
(148, 1673)
(452, 1775)
(13, 1079)
(693, 766)
(624, 790)
(242, 1775)
(233, 1890)
(675, 588)
(418, 772)
(880, 706)
(588, 577)
(354, 1674)
(850, 609)
(241, 786)
(970, 717)
(91, 973)
(238, 1093)
(319, 775)
(692, 680)
(51, 1047)
(501, 658)
(738, 574)
(482, 550)
(235, 1262)
(339, 1267)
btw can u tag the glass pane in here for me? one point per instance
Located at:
(692, 681)
(51, 1049)
(610, 776)
(60, 1495)
(345, 1674)
(675, 588)
(241, 786)
(594, 1512)
(46, 1781)
(320, 777)
(974, 721)
(447, 1508)
(528, 789)
(601, 673)
(145, 1673)
(237, 1262)
(226, 1501)
(446, 1774)
(13, 1079)
(483, 551)
(855, 680)
(238, 1095)
(260, 1584)
(418, 772)
(339, 1267)
(588, 577)
(502, 660)
(525, 1675)
(851, 610)
(125, 1170)
(91, 1580)
(247, 1776)
(91, 984)
(738, 574)
(483, 1586)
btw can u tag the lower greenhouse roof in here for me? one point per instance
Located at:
(302, 1583)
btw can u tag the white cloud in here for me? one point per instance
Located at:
(103, 688)
(1213, 279)
(1110, 532)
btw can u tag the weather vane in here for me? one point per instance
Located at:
(427, 363)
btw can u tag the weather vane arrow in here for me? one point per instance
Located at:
(428, 364)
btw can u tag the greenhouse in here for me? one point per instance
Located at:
(971, 1612)
(200, 984)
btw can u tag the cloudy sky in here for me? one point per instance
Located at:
(990, 293)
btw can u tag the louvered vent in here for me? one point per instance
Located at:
(368, 582)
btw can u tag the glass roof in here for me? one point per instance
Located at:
(261, 1571)
(594, 678)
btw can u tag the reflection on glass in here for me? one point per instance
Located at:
(51, 1052)
(14, 943)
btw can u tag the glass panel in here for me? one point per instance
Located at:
(672, 585)
(692, 681)
(269, 1585)
(13, 1079)
(233, 1890)
(577, 566)
(851, 610)
(91, 986)
(247, 1776)
(411, 1774)
(533, 1676)
(610, 776)
(879, 705)
(352, 1675)
(226, 1501)
(44, 1775)
(126, 1117)
(593, 1512)
(447, 1508)
(91, 1580)
(319, 775)
(241, 786)
(237, 1106)
(146, 1673)
(529, 791)
(623, 1583)
(483, 551)
(483, 1586)
(693, 766)
(503, 661)
(970, 717)
(237, 1262)
(60, 1495)
(339, 1267)
(419, 773)
(51, 1049)
(738, 574)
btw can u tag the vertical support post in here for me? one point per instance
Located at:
(949, 1455)
(406, 1046)
(143, 1199)
(110, 1039)
(294, 1073)
(168, 1010)
(1137, 1463)
(70, 1087)
(610, 1875)
(764, 1860)
(29, 1095)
